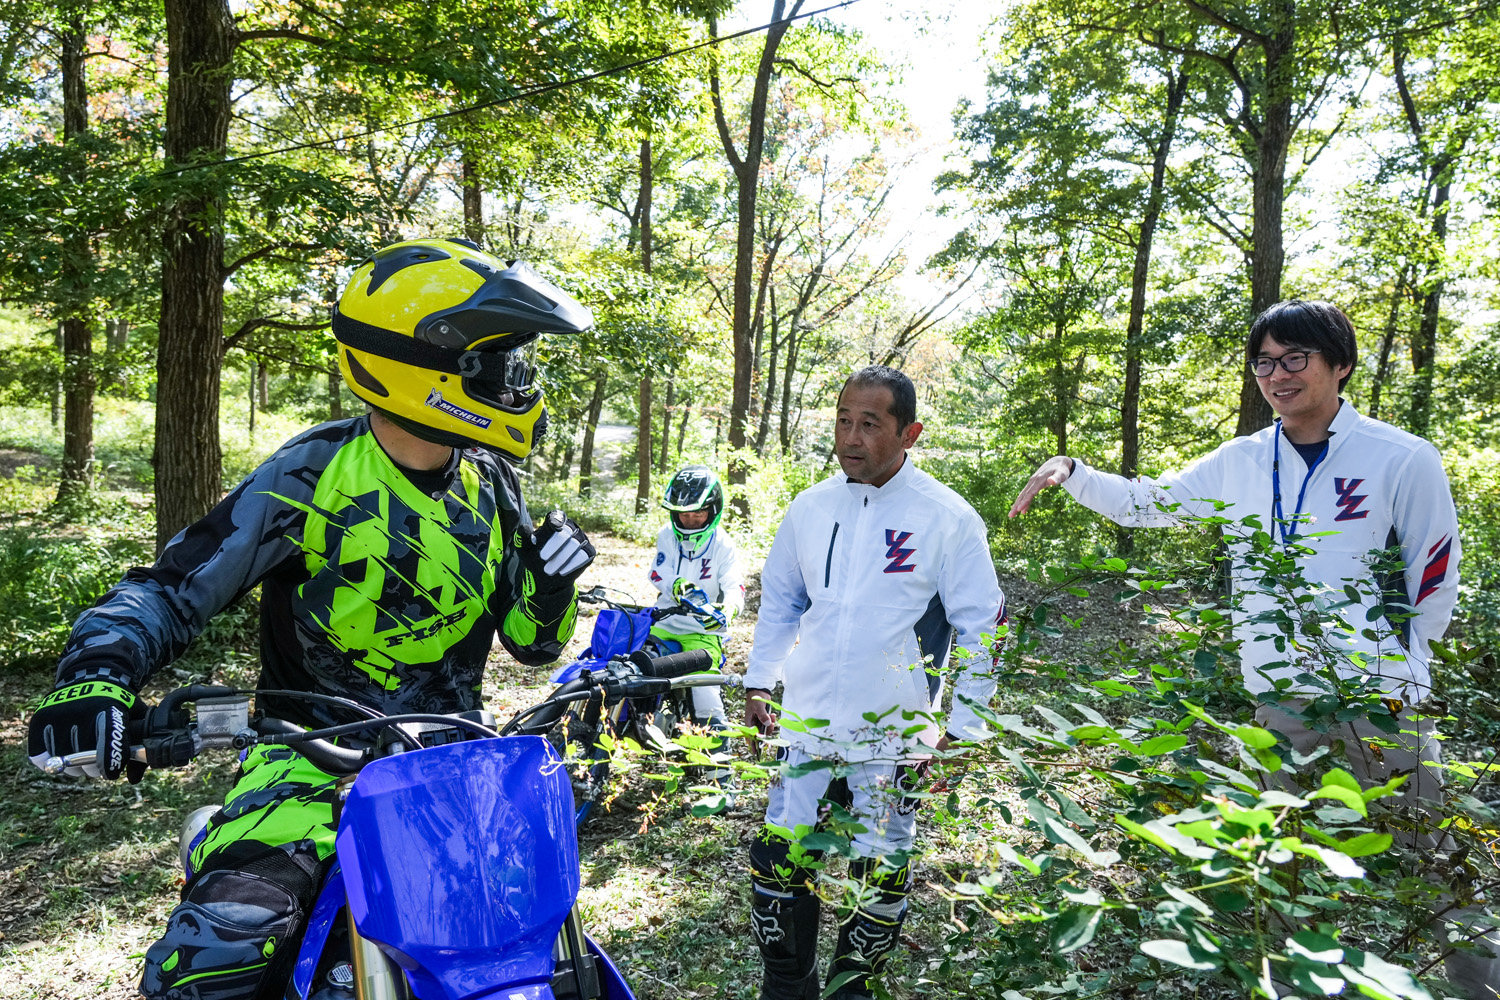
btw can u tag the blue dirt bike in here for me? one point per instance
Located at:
(622, 633)
(457, 871)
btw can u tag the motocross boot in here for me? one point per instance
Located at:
(863, 945)
(786, 928)
(870, 929)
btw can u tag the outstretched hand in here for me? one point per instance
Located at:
(1053, 472)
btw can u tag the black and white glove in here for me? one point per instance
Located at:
(83, 715)
(558, 550)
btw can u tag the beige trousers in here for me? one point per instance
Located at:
(1417, 754)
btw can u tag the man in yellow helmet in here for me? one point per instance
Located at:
(390, 551)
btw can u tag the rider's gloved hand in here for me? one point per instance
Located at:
(557, 550)
(711, 616)
(688, 592)
(82, 715)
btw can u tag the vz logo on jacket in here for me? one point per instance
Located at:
(1348, 499)
(894, 540)
(707, 572)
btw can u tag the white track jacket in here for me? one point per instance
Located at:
(861, 585)
(1376, 486)
(715, 569)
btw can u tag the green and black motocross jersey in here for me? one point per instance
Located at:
(379, 584)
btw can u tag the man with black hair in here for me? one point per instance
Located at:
(874, 572)
(1335, 489)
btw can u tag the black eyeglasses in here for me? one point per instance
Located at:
(1292, 361)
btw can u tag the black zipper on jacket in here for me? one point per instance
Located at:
(828, 564)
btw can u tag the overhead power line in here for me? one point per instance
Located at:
(519, 95)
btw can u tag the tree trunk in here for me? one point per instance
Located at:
(254, 379)
(666, 426)
(1267, 253)
(1130, 406)
(682, 428)
(77, 339)
(568, 450)
(1424, 344)
(335, 395)
(586, 455)
(772, 385)
(643, 418)
(473, 199)
(263, 385)
(1387, 343)
(56, 395)
(200, 47)
(789, 370)
(747, 175)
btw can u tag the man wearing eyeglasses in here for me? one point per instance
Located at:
(1332, 487)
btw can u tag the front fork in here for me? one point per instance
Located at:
(575, 970)
(376, 977)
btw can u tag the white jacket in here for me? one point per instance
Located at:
(862, 584)
(715, 569)
(1376, 486)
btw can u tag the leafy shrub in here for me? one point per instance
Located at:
(46, 579)
(1127, 835)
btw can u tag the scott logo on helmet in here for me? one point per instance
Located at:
(437, 402)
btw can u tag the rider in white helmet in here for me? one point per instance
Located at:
(698, 564)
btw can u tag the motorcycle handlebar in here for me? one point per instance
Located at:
(674, 665)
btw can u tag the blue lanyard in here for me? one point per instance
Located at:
(1276, 514)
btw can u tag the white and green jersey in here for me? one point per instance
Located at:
(378, 583)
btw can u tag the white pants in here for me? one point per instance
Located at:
(889, 818)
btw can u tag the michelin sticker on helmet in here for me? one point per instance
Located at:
(437, 402)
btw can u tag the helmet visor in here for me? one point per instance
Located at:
(507, 379)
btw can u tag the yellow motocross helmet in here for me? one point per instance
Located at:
(436, 334)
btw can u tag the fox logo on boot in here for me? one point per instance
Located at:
(766, 927)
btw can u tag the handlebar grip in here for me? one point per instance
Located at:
(677, 664)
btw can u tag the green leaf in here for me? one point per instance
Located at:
(1366, 844)
(1188, 899)
(1255, 737)
(1335, 861)
(1378, 978)
(1075, 928)
(1062, 723)
(1010, 854)
(1316, 946)
(1339, 793)
(1255, 819)
(1177, 953)
(825, 842)
(1059, 832)
(1152, 836)
(1158, 745)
